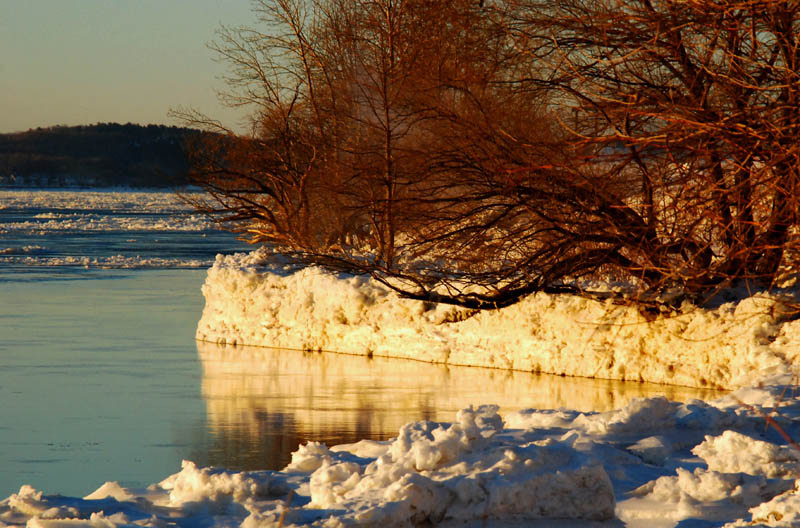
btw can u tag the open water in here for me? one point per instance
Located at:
(101, 378)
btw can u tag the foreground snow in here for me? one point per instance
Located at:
(652, 463)
(729, 347)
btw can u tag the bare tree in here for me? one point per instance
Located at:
(473, 153)
(333, 88)
(689, 111)
(375, 143)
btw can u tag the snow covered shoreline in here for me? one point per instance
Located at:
(727, 348)
(649, 464)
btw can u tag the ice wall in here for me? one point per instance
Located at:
(311, 309)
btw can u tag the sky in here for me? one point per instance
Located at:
(78, 62)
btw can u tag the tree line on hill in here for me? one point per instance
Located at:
(100, 155)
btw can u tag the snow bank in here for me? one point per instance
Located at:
(651, 463)
(558, 334)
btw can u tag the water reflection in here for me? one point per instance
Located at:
(262, 403)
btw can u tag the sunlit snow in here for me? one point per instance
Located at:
(728, 347)
(651, 463)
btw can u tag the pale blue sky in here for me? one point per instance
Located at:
(86, 61)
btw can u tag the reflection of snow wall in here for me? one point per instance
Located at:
(328, 394)
(727, 347)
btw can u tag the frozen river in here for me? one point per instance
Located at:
(101, 379)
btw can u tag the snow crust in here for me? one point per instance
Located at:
(727, 347)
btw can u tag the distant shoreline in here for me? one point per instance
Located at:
(100, 155)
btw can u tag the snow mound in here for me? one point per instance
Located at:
(460, 471)
(249, 304)
(215, 487)
(782, 510)
(734, 452)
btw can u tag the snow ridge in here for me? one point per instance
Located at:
(250, 304)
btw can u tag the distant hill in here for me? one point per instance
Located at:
(105, 154)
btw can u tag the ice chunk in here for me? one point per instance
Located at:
(653, 449)
(782, 511)
(733, 452)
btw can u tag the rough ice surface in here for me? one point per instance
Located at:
(652, 463)
(111, 198)
(88, 211)
(734, 452)
(111, 262)
(91, 212)
(782, 510)
(557, 334)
